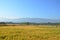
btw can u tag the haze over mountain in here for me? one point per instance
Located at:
(32, 20)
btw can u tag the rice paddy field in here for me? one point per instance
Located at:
(30, 32)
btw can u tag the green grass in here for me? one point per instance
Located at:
(31, 32)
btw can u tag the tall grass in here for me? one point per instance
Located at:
(30, 32)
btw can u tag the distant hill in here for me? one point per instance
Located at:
(32, 20)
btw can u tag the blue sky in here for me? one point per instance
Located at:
(30, 8)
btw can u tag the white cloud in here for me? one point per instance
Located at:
(9, 17)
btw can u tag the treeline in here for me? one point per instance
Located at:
(5, 23)
(26, 23)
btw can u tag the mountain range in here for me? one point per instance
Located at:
(32, 20)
